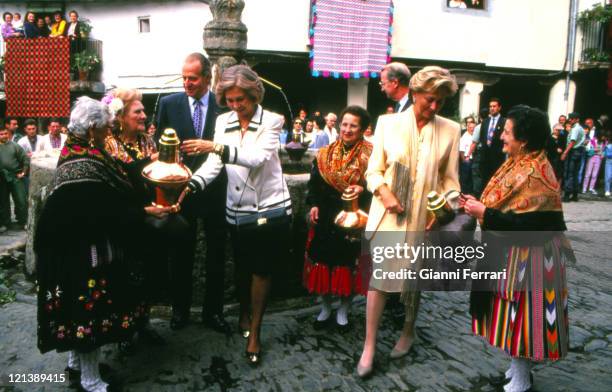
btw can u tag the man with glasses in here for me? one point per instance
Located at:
(394, 79)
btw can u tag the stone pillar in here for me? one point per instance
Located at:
(42, 168)
(557, 104)
(225, 36)
(357, 92)
(469, 99)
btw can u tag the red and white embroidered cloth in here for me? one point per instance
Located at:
(37, 77)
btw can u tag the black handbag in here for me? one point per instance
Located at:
(274, 217)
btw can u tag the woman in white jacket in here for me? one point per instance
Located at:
(258, 206)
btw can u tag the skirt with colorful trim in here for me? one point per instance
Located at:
(526, 316)
(346, 275)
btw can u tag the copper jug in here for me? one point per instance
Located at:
(351, 218)
(168, 175)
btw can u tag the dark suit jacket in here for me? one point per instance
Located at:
(174, 112)
(406, 106)
(491, 157)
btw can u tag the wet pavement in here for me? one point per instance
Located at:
(296, 358)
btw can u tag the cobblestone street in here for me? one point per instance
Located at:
(446, 357)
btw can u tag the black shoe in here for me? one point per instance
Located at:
(574, 197)
(151, 336)
(343, 328)
(318, 325)
(253, 359)
(217, 323)
(566, 198)
(179, 321)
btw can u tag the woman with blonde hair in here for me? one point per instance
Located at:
(415, 152)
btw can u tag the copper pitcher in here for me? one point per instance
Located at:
(168, 175)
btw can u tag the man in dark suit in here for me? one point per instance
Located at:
(394, 81)
(487, 146)
(192, 115)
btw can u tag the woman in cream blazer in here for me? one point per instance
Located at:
(415, 152)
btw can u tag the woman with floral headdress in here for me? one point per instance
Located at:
(129, 144)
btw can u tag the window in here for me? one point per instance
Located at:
(144, 24)
(466, 4)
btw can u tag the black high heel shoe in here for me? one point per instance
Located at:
(253, 358)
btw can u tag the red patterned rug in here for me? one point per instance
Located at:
(37, 77)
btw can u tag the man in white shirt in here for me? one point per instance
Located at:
(465, 167)
(54, 140)
(31, 140)
(193, 114)
(486, 149)
(394, 81)
(330, 127)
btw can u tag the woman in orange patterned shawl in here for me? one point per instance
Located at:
(525, 312)
(330, 260)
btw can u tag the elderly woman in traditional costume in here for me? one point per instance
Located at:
(525, 314)
(129, 144)
(258, 207)
(87, 248)
(415, 152)
(331, 257)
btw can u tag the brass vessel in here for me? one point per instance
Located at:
(439, 206)
(168, 175)
(351, 218)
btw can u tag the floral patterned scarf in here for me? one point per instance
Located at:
(340, 167)
(81, 162)
(524, 184)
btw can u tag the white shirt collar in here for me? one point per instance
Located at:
(203, 100)
(403, 101)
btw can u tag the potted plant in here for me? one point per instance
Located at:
(85, 62)
(85, 27)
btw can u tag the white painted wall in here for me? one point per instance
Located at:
(147, 60)
(514, 34)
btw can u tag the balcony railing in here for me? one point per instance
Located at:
(594, 43)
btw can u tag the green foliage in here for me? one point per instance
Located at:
(6, 296)
(86, 60)
(85, 26)
(597, 13)
(596, 55)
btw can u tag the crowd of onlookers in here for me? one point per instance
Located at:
(16, 149)
(40, 25)
(577, 152)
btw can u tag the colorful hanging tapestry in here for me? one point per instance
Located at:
(37, 77)
(350, 38)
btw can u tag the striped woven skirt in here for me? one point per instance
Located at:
(527, 315)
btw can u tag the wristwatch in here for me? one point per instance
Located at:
(218, 149)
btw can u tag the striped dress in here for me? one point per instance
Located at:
(527, 314)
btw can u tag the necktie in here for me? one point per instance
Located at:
(491, 131)
(197, 118)
(397, 108)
